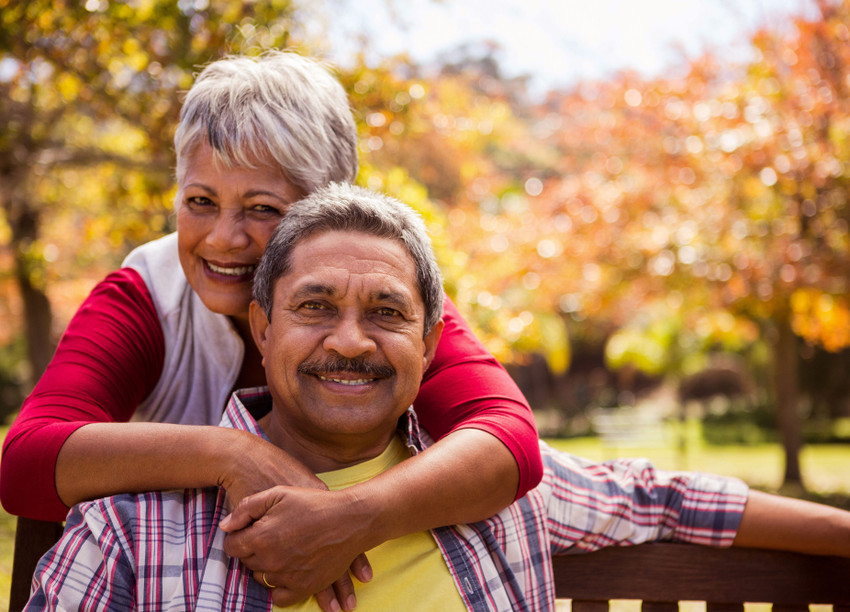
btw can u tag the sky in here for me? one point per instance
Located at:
(555, 42)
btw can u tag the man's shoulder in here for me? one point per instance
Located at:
(154, 511)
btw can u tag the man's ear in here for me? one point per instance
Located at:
(259, 326)
(432, 338)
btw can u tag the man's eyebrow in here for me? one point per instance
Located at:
(395, 298)
(314, 289)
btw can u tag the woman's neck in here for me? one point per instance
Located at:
(252, 373)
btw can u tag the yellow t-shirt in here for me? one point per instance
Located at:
(409, 573)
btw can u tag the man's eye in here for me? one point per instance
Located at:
(313, 306)
(389, 312)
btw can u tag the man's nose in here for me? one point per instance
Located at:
(349, 338)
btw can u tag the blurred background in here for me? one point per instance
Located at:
(642, 208)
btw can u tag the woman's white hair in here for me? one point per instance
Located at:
(279, 108)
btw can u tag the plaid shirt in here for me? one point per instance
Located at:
(163, 551)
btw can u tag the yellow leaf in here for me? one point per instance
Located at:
(68, 86)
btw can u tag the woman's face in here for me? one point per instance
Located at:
(225, 217)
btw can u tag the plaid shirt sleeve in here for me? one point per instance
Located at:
(88, 568)
(615, 503)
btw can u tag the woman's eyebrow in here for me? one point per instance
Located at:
(248, 194)
(255, 192)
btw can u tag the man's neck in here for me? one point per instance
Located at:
(329, 453)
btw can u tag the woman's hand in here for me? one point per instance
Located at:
(254, 465)
(300, 540)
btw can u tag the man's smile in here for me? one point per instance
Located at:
(354, 382)
(352, 372)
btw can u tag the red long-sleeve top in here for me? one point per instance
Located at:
(111, 357)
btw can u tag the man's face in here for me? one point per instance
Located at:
(344, 351)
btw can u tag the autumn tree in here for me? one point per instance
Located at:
(718, 196)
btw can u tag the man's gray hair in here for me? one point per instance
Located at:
(278, 108)
(348, 208)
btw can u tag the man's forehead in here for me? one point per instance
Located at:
(326, 263)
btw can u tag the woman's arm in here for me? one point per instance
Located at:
(72, 431)
(103, 459)
(108, 360)
(465, 387)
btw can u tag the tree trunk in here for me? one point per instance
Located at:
(38, 320)
(38, 316)
(786, 391)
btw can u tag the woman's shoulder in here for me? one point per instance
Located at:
(158, 265)
(155, 254)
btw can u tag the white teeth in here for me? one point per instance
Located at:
(358, 381)
(237, 271)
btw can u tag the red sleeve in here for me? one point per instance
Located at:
(466, 387)
(109, 359)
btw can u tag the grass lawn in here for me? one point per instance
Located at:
(825, 466)
(7, 545)
(825, 472)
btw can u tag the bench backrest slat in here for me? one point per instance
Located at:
(669, 573)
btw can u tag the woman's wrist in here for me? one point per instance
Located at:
(370, 515)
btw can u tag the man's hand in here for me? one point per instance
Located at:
(300, 540)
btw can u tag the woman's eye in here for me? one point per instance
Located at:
(199, 202)
(266, 210)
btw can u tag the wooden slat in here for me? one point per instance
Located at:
(32, 539)
(677, 572)
(724, 607)
(660, 606)
(581, 605)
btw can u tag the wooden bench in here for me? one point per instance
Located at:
(660, 575)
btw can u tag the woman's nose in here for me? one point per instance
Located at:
(228, 233)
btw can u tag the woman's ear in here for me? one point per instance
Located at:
(259, 326)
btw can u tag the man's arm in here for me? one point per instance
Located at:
(593, 505)
(782, 523)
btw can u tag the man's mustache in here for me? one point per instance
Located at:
(339, 365)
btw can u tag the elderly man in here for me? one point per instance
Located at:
(347, 315)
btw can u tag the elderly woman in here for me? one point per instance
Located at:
(144, 369)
